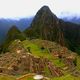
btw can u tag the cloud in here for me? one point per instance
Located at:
(24, 8)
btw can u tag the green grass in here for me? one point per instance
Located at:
(66, 77)
(35, 46)
(78, 63)
(58, 62)
(47, 71)
(37, 51)
(7, 77)
(28, 78)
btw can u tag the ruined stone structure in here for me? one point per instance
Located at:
(26, 63)
(20, 61)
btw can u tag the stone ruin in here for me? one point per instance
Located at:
(29, 64)
(20, 61)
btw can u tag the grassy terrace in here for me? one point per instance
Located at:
(66, 77)
(6, 77)
(38, 52)
(78, 62)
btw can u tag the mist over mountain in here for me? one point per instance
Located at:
(73, 19)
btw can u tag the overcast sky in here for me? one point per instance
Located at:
(26, 8)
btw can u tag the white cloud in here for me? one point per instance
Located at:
(20, 8)
(23, 8)
(67, 6)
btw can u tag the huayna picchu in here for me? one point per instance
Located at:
(46, 25)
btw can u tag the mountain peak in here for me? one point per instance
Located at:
(45, 8)
(45, 12)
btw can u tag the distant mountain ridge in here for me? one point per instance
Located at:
(6, 24)
(73, 19)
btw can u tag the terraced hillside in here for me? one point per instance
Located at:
(40, 57)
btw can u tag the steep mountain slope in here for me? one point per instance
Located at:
(47, 26)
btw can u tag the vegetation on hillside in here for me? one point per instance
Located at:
(13, 34)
